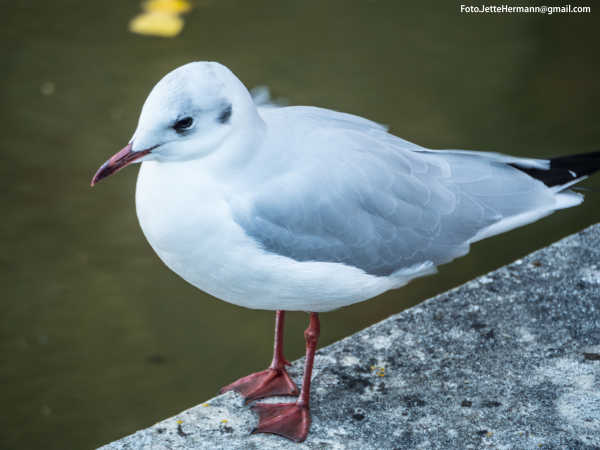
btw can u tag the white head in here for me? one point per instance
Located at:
(188, 115)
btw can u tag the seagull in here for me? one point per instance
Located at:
(308, 209)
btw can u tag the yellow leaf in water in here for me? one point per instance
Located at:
(156, 24)
(168, 6)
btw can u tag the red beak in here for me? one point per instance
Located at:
(125, 157)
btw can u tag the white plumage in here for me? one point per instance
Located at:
(302, 208)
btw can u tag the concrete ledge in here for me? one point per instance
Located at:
(508, 360)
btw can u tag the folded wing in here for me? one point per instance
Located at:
(359, 196)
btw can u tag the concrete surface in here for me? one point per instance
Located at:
(509, 360)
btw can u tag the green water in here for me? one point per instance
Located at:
(97, 337)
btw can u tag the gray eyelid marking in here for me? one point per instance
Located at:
(225, 114)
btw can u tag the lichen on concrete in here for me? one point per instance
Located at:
(509, 360)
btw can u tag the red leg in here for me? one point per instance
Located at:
(292, 420)
(273, 381)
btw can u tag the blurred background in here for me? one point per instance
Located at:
(97, 337)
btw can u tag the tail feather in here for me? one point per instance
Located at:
(565, 169)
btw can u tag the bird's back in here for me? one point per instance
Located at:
(339, 188)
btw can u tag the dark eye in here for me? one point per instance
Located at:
(183, 124)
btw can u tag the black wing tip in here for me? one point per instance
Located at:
(564, 169)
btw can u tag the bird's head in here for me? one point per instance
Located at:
(187, 115)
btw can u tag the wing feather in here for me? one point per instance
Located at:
(359, 196)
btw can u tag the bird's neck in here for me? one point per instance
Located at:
(236, 152)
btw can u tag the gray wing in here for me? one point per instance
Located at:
(366, 200)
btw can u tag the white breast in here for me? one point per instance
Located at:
(186, 218)
(188, 224)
